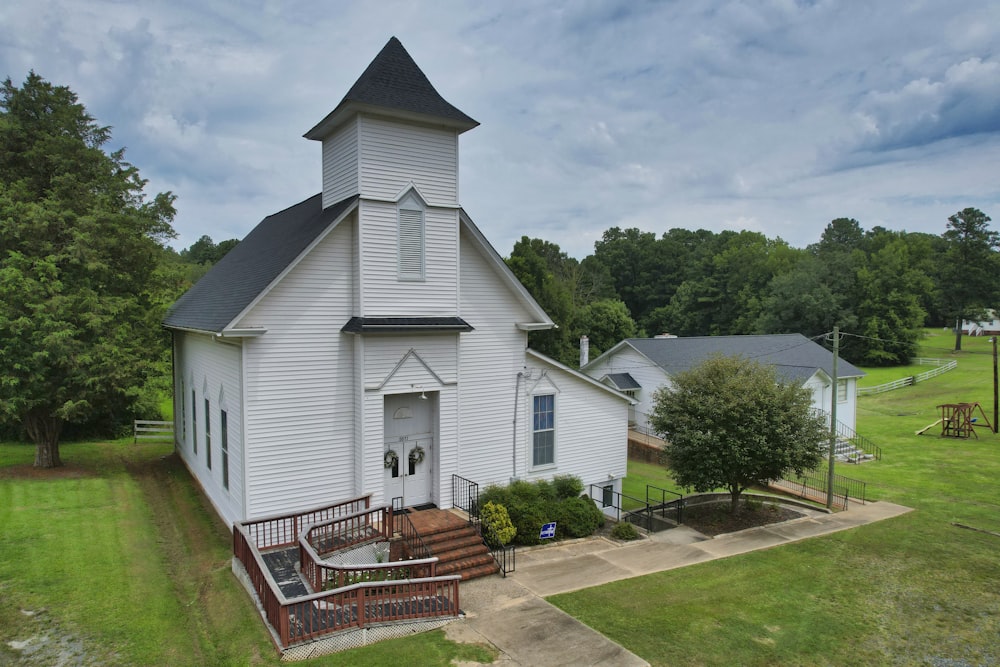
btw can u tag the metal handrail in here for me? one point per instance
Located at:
(465, 496)
(644, 511)
(678, 503)
(845, 432)
(414, 543)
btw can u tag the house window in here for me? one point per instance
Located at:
(411, 240)
(194, 422)
(841, 391)
(543, 450)
(208, 435)
(184, 417)
(224, 426)
(608, 495)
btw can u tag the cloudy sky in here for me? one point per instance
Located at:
(774, 116)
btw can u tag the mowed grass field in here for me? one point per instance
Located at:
(116, 559)
(915, 590)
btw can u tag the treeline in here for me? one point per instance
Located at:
(881, 285)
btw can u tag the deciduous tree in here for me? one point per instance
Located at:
(732, 423)
(79, 244)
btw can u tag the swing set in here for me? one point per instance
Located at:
(957, 420)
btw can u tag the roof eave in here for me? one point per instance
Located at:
(582, 376)
(205, 332)
(541, 318)
(348, 109)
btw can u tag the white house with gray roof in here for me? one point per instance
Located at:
(640, 366)
(370, 340)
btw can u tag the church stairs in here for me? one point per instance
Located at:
(458, 547)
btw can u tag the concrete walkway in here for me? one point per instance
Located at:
(511, 614)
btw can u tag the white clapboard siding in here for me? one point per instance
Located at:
(591, 428)
(400, 365)
(823, 392)
(649, 376)
(300, 424)
(383, 292)
(491, 357)
(394, 154)
(340, 163)
(199, 362)
(439, 353)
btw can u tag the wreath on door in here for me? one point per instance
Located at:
(391, 458)
(416, 454)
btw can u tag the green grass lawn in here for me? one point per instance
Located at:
(119, 557)
(641, 475)
(909, 591)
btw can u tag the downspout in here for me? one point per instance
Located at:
(517, 399)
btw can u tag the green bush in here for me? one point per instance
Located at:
(623, 530)
(567, 486)
(497, 527)
(530, 505)
(578, 517)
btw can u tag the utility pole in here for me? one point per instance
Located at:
(996, 395)
(833, 420)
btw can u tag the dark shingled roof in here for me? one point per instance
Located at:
(394, 81)
(368, 325)
(623, 381)
(793, 356)
(246, 270)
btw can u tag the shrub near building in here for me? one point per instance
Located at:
(533, 504)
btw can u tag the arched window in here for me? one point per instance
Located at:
(411, 237)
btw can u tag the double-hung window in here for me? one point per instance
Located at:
(543, 446)
(841, 391)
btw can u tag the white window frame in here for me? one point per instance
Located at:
(194, 421)
(208, 433)
(841, 391)
(224, 432)
(535, 431)
(411, 239)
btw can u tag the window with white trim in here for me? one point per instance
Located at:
(543, 442)
(208, 435)
(184, 418)
(194, 421)
(224, 427)
(411, 239)
(841, 391)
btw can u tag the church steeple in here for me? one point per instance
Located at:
(393, 85)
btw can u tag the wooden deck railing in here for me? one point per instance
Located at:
(263, 584)
(334, 535)
(372, 593)
(356, 606)
(283, 530)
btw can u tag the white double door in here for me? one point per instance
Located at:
(409, 435)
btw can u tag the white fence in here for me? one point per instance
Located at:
(147, 429)
(943, 366)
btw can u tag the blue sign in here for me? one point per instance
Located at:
(548, 531)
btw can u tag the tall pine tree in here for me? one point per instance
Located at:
(79, 244)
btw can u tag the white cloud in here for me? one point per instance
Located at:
(776, 116)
